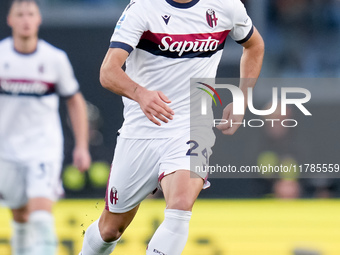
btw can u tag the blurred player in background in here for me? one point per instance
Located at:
(33, 74)
(164, 44)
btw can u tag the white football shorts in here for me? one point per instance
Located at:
(139, 165)
(20, 182)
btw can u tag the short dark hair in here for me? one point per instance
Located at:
(11, 2)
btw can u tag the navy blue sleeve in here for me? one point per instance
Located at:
(121, 45)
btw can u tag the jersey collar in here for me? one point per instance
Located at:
(182, 5)
(21, 53)
(25, 54)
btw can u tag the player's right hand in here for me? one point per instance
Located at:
(81, 158)
(154, 104)
(228, 129)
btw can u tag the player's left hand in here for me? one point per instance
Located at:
(228, 129)
(81, 159)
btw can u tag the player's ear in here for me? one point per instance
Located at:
(9, 17)
(40, 19)
(39, 15)
(9, 21)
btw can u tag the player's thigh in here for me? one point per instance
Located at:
(43, 181)
(181, 189)
(180, 182)
(134, 174)
(13, 185)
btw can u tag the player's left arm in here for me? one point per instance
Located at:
(78, 114)
(251, 60)
(250, 68)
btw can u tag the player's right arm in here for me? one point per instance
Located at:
(112, 77)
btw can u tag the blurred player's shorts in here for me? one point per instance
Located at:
(19, 182)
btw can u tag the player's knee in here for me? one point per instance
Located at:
(21, 218)
(110, 234)
(181, 203)
(20, 215)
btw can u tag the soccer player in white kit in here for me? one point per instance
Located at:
(33, 74)
(165, 43)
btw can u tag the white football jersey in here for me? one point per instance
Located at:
(30, 86)
(169, 43)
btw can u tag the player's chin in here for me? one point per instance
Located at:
(25, 35)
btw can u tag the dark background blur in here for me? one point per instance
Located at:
(302, 38)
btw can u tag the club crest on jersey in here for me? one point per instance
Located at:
(114, 196)
(211, 18)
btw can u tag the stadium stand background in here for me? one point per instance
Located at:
(294, 32)
(301, 41)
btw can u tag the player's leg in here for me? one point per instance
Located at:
(133, 176)
(42, 225)
(22, 238)
(181, 188)
(21, 214)
(34, 228)
(43, 189)
(112, 225)
(102, 236)
(180, 192)
(13, 195)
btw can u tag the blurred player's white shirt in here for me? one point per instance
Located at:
(30, 86)
(169, 44)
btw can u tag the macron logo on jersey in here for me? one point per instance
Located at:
(26, 87)
(183, 46)
(166, 19)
